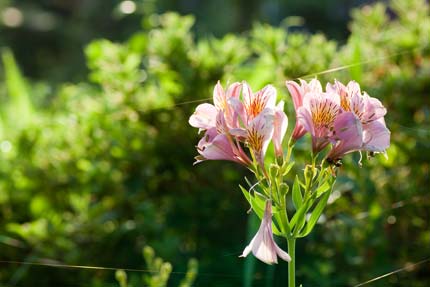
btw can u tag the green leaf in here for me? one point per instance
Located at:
(298, 216)
(288, 168)
(297, 194)
(259, 201)
(245, 193)
(323, 188)
(316, 213)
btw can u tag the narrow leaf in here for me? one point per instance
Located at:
(297, 194)
(316, 213)
(322, 188)
(258, 202)
(288, 168)
(298, 216)
(246, 194)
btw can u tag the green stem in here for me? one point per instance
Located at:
(292, 263)
(285, 223)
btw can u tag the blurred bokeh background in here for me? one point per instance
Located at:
(96, 153)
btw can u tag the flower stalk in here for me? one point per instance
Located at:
(292, 263)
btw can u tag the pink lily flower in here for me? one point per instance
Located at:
(259, 134)
(261, 121)
(351, 135)
(253, 120)
(367, 131)
(317, 115)
(366, 108)
(254, 104)
(215, 146)
(298, 93)
(280, 128)
(263, 246)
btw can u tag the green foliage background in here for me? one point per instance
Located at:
(91, 171)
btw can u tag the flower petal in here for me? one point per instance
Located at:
(314, 86)
(281, 253)
(296, 92)
(255, 103)
(348, 135)
(260, 131)
(219, 97)
(280, 128)
(304, 117)
(372, 110)
(323, 108)
(233, 90)
(204, 117)
(248, 248)
(215, 146)
(263, 248)
(376, 136)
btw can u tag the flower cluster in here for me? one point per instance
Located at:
(342, 115)
(240, 117)
(240, 125)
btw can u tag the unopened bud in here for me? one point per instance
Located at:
(283, 189)
(274, 170)
(309, 173)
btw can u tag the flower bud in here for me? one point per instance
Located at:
(274, 170)
(309, 173)
(283, 189)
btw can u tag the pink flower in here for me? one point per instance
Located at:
(366, 108)
(317, 116)
(263, 246)
(261, 121)
(259, 134)
(215, 146)
(254, 104)
(361, 125)
(298, 93)
(252, 120)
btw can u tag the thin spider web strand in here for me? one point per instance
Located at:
(331, 70)
(335, 69)
(328, 71)
(89, 267)
(394, 206)
(363, 215)
(407, 267)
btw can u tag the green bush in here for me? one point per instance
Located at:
(91, 172)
